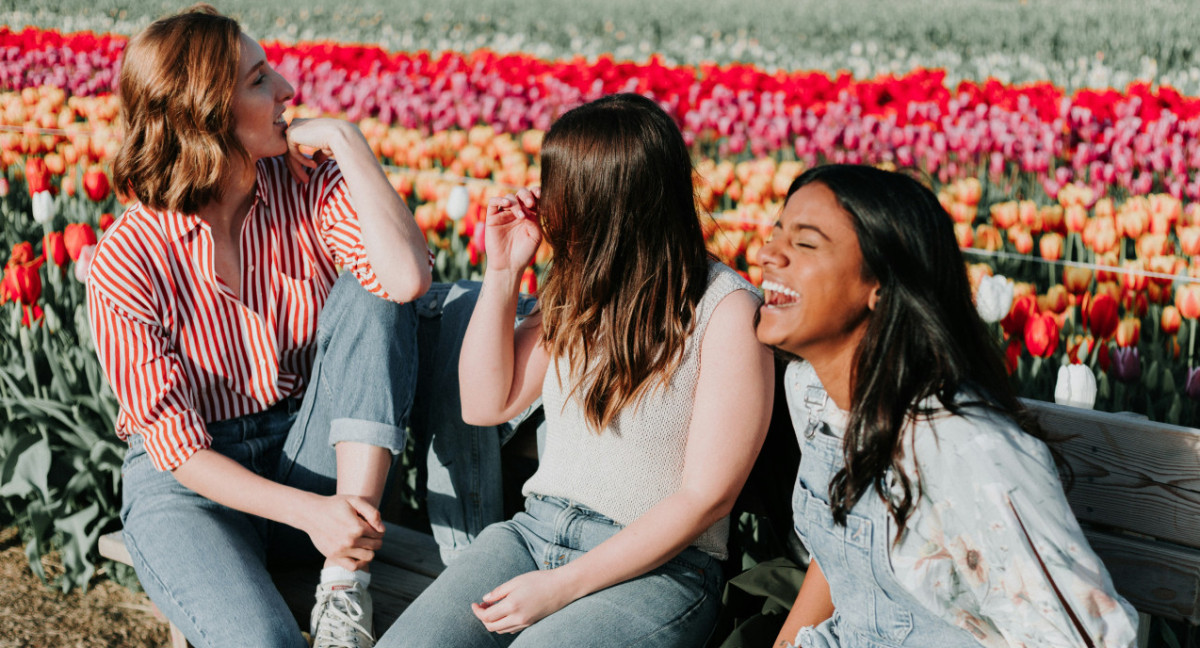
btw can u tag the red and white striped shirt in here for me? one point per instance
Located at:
(179, 347)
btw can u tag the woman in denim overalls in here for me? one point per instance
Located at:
(926, 495)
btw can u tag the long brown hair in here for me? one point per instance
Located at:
(618, 209)
(924, 339)
(177, 82)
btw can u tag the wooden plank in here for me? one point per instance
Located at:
(1130, 473)
(112, 546)
(410, 550)
(1156, 577)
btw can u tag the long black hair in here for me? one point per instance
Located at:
(924, 338)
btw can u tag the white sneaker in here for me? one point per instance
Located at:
(342, 616)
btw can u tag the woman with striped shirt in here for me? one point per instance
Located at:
(262, 397)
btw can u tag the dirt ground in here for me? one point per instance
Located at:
(33, 615)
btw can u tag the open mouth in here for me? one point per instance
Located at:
(777, 295)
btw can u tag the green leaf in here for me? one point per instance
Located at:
(30, 469)
(78, 545)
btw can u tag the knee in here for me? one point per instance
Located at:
(353, 312)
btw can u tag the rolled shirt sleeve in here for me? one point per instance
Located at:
(146, 375)
(339, 226)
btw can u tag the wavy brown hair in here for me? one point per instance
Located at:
(618, 209)
(177, 82)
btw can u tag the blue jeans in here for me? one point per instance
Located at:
(462, 462)
(205, 565)
(673, 605)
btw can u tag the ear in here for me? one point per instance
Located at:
(874, 298)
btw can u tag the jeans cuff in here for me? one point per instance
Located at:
(368, 432)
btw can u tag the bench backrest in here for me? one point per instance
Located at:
(1137, 494)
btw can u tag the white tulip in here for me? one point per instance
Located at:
(1076, 386)
(43, 207)
(458, 202)
(994, 298)
(83, 265)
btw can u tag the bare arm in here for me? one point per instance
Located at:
(813, 605)
(346, 529)
(729, 422)
(395, 245)
(500, 371)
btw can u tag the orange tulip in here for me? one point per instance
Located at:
(1129, 330)
(1132, 280)
(1051, 246)
(988, 238)
(1152, 245)
(1021, 238)
(1076, 280)
(964, 235)
(1005, 214)
(1056, 300)
(1187, 300)
(1170, 321)
(1075, 217)
(1029, 215)
(1189, 239)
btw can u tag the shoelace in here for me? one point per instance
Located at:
(338, 625)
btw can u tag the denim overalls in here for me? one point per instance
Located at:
(872, 609)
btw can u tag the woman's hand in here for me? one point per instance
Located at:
(346, 529)
(320, 134)
(512, 234)
(524, 600)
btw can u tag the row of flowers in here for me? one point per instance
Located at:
(1138, 140)
(1103, 284)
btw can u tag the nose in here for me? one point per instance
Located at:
(771, 253)
(284, 90)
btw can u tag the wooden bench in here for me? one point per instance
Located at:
(1136, 493)
(1137, 496)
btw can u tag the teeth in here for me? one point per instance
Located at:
(780, 288)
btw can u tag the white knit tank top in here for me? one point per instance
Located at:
(638, 460)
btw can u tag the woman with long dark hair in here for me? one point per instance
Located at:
(926, 495)
(262, 397)
(656, 395)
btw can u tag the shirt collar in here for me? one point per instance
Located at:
(179, 224)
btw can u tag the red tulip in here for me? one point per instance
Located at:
(76, 236)
(22, 253)
(1012, 355)
(106, 220)
(95, 183)
(31, 315)
(54, 248)
(1024, 307)
(1041, 335)
(529, 282)
(23, 283)
(1100, 315)
(36, 175)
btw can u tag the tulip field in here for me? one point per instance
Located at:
(1077, 205)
